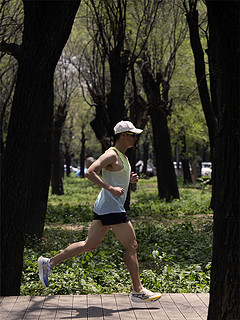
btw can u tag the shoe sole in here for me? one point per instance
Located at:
(139, 300)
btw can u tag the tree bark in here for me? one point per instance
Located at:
(111, 43)
(186, 171)
(118, 69)
(145, 156)
(82, 155)
(185, 162)
(57, 162)
(26, 163)
(167, 183)
(158, 104)
(223, 20)
(200, 70)
(68, 159)
(101, 123)
(68, 136)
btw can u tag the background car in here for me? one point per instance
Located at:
(206, 169)
(72, 169)
(150, 172)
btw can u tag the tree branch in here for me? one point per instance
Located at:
(12, 49)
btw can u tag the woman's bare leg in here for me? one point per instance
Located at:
(126, 235)
(96, 233)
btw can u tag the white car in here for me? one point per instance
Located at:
(72, 169)
(207, 169)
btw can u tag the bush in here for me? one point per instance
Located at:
(191, 202)
(68, 213)
(174, 244)
(172, 259)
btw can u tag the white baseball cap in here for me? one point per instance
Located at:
(124, 126)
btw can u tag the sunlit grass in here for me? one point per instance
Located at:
(174, 241)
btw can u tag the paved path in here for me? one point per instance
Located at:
(176, 306)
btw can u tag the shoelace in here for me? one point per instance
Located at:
(143, 293)
(49, 269)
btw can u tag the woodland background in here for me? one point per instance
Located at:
(69, 69)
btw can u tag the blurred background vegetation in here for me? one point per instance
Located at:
(80, 71)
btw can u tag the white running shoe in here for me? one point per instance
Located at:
(44, 270)
(145, 295)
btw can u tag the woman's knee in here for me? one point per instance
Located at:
(132, 246)
(90, 246)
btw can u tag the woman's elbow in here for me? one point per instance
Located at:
(87, 174)
(90, 174)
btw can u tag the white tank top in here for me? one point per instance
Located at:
(106, 202)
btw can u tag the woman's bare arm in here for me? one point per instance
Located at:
(103, 161)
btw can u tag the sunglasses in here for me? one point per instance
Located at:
(131, 134)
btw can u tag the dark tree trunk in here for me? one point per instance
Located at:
(68, 159)
(145, 156)
(138, 106)
(26, 163)
(118, 69)
(111, 24)
(56, 168)
(82, 155)
(101, 123)
(204, 154)
(200, 71)
(67, 149)
(4, 105)
(131, 154)
(223, 20)
(167, 184)
(186, 171)
(185, 162)
(158, 108)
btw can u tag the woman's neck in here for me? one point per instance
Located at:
(120, 147)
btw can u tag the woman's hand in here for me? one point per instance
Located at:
(133, 177)
(116, 191)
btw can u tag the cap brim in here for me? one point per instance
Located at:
(137, 131)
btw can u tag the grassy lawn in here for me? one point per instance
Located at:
(174, 242)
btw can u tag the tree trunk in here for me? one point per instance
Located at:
(56, 172)
(167, 183)
(224, 47)
(158, 105)
(67, 149)
(118, 69)
(68, 159)
(82, 155)
(185, 162)
(200, 71)
(145, 156)
(186, 171)
(26, 163)
(101, 123)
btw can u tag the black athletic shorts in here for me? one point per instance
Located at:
(111, 218)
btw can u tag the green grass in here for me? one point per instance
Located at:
(174, 243)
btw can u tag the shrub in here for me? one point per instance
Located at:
(174, 243)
